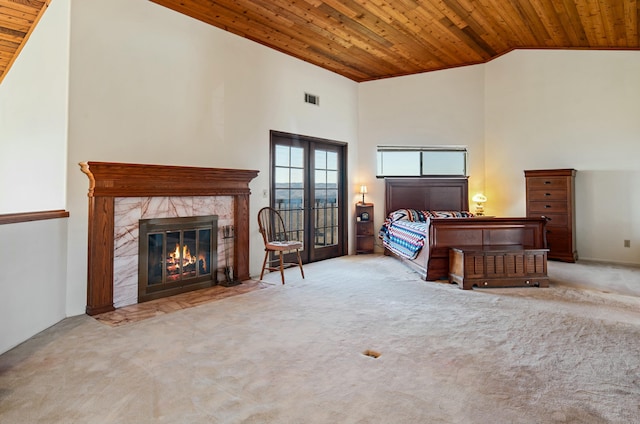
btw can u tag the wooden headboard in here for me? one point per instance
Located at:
(436, 194)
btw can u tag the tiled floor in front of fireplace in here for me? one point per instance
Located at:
(140, 311)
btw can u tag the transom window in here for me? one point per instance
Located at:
(396, 161)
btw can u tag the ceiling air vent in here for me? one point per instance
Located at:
(312, 99)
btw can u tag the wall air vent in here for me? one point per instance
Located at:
(312, 99)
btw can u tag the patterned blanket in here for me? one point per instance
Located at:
(405, 230)
(404, 238)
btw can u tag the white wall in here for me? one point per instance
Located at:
(33, 280)
(435, 108)
(569, 109)
(149, 85)
(33, 136)
(33, 118)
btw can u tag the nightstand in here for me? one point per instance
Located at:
(364, 228)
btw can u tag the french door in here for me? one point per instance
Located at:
(308, 189)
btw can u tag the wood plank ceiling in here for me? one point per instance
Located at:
(18, 18)
(371, 39)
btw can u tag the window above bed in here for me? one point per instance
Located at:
(433, 161)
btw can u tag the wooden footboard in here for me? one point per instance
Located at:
(446, 233)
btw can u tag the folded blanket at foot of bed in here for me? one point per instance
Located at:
(404, 238)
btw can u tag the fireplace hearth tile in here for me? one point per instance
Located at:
(153, 308)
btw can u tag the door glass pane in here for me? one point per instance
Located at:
(282, 199)
(289, 190)
(282, 177)
(321, 178)
(321, 159)
(296, 200)
(282, 155)
(325, 217)
(332, 179)
(297, 157)
(294, 222)
(297, 178)
(332, 160)
(332, 197)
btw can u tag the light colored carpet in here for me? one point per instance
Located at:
(294, 354)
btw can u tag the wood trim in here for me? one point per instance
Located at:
(100, 254)
(108, 180)
(241, 246)
(138, 180)
(13, 218)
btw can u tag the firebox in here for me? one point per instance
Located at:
(177, 255)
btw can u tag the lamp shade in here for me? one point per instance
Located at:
(363, 190)
(479, 198)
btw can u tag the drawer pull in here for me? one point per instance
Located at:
(547, 194)
(547, 206)
(547, 182)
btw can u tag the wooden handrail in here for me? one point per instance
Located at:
(12, 218)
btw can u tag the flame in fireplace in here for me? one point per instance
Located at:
(178, 259)
(186, 255)
(203, 263)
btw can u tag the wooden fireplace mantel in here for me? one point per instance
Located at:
(109, 180)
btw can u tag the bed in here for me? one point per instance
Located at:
(440, 233)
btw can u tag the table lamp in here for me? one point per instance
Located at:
(363, 191)
(479, 199)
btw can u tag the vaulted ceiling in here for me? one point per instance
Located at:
(371, 39)
(18, 18)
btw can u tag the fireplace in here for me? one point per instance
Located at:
(122, 194)
(176, 255)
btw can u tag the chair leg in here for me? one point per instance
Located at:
(300, 263)
(282, 267)
(264, 263)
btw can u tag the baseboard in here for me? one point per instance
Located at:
(610, 262)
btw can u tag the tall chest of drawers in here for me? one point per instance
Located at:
(551, 193)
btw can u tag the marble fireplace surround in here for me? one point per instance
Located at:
(120, 192)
